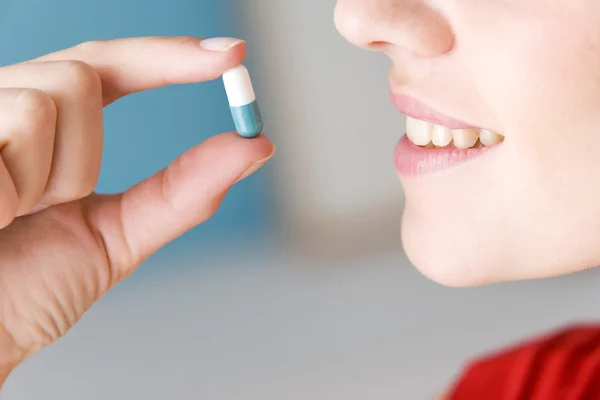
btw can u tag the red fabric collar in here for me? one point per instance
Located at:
(561, 366)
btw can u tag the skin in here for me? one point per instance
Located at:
(61, 246)
(529, 69)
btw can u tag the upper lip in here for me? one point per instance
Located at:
(417, 110)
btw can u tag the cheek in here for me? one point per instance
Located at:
(494, 220)
(530, 208)
(541, 78)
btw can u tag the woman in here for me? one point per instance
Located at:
(500, 177)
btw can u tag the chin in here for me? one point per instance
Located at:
(447, 258)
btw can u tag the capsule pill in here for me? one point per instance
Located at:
(242, 102)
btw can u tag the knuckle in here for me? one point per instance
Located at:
(35, 111)
(66, 191)
(83, 79)
(186, 41)
(174, 196)
(91, 47)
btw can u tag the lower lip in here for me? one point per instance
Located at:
(412, 161)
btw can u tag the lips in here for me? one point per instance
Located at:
(435, 142)
(413, 161)
(417, 110)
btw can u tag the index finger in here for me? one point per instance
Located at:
(133, 65)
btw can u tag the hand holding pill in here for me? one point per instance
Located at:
(62, 246)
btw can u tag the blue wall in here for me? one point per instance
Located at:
(146, 131)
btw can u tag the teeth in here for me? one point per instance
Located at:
(427, 134)
(441, 136)
(410, 128)
(421, 135)
(489, 138)
(465, 138)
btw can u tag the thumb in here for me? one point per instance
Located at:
(146, 217)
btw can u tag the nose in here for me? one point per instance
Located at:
(409, 24)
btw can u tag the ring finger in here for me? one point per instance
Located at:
(76, 90)
(27, 126)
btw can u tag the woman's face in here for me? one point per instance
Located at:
(528, 70)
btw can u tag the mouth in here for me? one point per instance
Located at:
(434, 142)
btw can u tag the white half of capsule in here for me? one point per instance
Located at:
(238, 87)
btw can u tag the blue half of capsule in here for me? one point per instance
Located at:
(247, 120)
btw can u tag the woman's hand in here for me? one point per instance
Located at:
(61, 246)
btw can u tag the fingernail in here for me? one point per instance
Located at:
(220, 44)
(37, 209)
(254, 167)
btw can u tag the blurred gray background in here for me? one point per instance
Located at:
(298, 288)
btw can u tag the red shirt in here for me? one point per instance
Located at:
(561, 366)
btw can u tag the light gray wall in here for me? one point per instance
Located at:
(326, 104)
(265, 323)
(262, 324)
